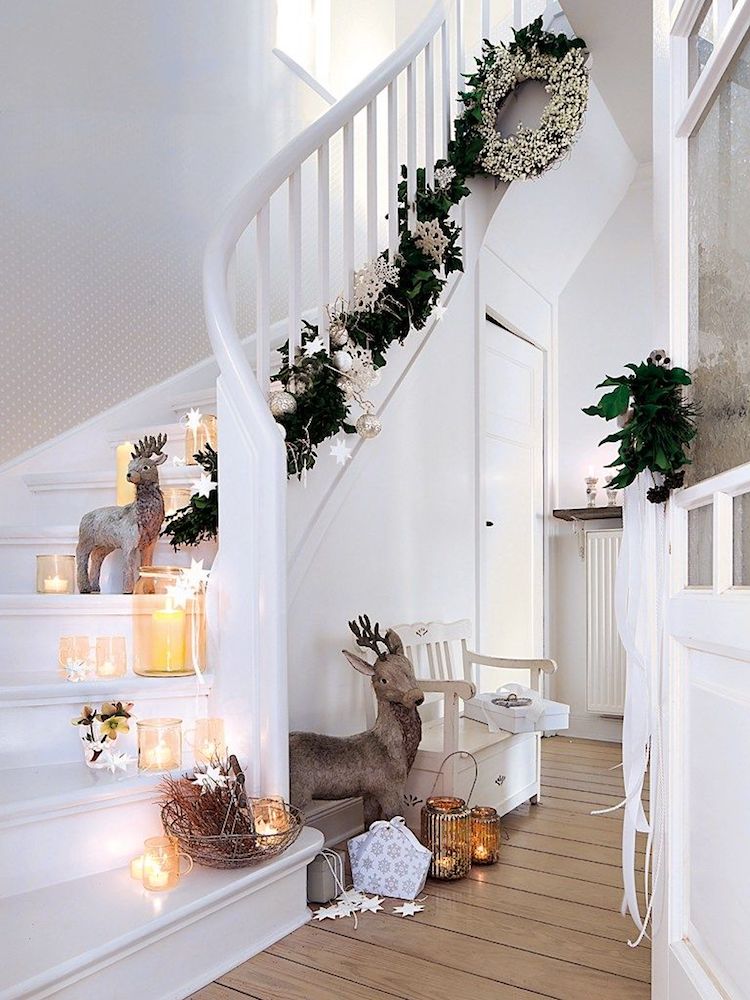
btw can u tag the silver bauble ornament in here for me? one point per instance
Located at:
(282, 403)
(368, 426)
(338, 336)
(342, 361)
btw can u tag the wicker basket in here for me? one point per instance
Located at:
(230, 850)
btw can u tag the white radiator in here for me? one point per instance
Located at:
(605, 668)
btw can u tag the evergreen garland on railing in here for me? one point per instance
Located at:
(199, 520)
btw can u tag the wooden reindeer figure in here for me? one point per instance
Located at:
(374, 764)
(133, 528)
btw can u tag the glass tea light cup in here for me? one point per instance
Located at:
(198, 434)
(175, 498)
(161, 864)
(270, 817)
(111, 657)
(55, 574)
(73, 648)
(485, 835)
(208, 741)
(159, 744)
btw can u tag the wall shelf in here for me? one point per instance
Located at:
(588, 513)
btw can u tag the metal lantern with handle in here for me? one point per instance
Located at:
(446, 829)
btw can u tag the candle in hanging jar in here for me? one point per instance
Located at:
(159, 744)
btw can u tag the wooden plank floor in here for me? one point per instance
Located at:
(544, 922)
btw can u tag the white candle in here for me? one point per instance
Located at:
(154, 876)
(125, 490)
(106, 669)
(55, 585)
(161, 755)
(136, 868)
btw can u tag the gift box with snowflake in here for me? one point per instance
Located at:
(389, 860)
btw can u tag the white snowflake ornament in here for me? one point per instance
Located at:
(431, 240)
(444, 177)
(370, 282)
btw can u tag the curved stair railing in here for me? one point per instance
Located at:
(251, 684)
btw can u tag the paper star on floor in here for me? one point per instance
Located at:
(351, 897)
(407, 909)
(372, 905)
(341, 451)
(326, 913)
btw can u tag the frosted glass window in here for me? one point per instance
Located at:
(700, 43)
(741, 535)
(719, 279)
(701, 546)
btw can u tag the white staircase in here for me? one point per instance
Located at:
(70, 913)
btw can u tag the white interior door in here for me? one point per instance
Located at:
(702, 94)
(512, 526)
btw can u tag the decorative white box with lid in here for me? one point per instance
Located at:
(517, 709)
(389, 860)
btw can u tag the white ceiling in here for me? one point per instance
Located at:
(620, 37)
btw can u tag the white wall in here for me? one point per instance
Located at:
(605, 320)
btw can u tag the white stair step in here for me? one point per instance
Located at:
(204, 400)
(21, 544)
(58, 940)
(36, 709)
(31, 625)
(175, 435)
(62, 497)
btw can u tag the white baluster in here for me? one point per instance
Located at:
(485, 19)
(324, 241)
(372, 179)
(459, 40)
(429, 116)
(263, 298)
(517, 14)
(393, 167)
(295, 264)
(446, 84)
(411, 143)
(348, 214)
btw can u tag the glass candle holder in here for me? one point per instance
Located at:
(169, 625)
(485, 835)
(73, 649)
(161, 863)
(159, 744)
(55, 574)
(209, 745)
(446, 831)
(198, 435)
(111, 658)
(136, 868)
(270, 817)
(175, 498)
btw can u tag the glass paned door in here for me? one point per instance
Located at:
(719, 274)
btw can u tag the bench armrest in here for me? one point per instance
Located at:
(464, 689)
(512, 663)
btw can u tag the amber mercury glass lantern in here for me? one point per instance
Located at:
(55, 574)
(159, 744)
(198, 435)
(169, 625)
(485, 835)
(161, 863)
(446, 831)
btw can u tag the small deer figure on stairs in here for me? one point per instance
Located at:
(374, 764)
(133, 528)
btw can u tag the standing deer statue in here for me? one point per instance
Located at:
(133, 528)
(374, 764)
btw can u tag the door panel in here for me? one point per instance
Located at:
(511, 610)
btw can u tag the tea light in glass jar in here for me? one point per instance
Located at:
(111, 660)
(55, 574)
(74, 648)
(210, 745)
(446, 831)
(485, 835)
(175, 498)
(159, 744)
(161, 863)
(270, 818)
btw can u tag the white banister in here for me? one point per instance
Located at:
(295, 263)
(485, 18)
(251, 685)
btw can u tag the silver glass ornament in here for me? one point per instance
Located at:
(368, 426)
(342, 361)
(338, 335)
(282, 403)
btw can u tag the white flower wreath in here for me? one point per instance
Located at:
(529, 152)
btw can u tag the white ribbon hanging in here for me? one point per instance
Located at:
(640, 588)
(398, 823)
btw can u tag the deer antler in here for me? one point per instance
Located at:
(367, 637)
(149, 445)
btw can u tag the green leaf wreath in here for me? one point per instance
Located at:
(656, 422)
(199, 520)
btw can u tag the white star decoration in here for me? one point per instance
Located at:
(341, 451)
(115, 761)
(313, 347)
(196, 576)
(438, 312)
(209, 779)
(348, 904)
(407, 909)
(75, 671)
(193, 418)
(202, 487)
(371, 905)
